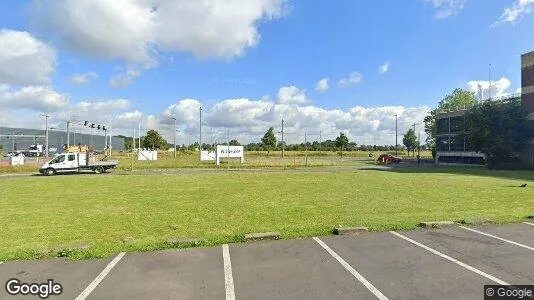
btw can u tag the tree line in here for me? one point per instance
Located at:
(153, 140)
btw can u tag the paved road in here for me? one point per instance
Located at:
(328, 169)
(450, 263)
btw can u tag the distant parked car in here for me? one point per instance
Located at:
(12, 154)
(388, 159)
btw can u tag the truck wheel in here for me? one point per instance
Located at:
(50, 172)
(99, 170)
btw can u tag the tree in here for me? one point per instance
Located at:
(128, 143)
(458, 98)
(410, 141)
(499, 130)
(234, 143)
(269, 139)
(342, 141)
(154, 140)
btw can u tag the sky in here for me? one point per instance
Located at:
(324, 67)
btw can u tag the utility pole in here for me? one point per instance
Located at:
(68, 134)
(200, 133)
(139, 135)
(174, 130)
(105, 139)
(489, 84)
(320, 141)
(46, 134)
(228, 150)
(283, 146)
(396, 136)
(306, 147)
(418, 148)
(133, 140)
(110, 147)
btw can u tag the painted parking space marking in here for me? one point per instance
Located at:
(100, 277)
(470, 268)
(349, 268)
(528, 223)
(228, 277)
(498, 238)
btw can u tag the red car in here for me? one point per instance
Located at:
(388, 159)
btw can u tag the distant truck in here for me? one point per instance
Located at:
(76, 163)
(35, 150)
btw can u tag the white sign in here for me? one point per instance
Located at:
(230, 152)
(207, 155)
(16, 160)
(147, 155)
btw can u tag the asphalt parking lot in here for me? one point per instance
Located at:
(448, 263)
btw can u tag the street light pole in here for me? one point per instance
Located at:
(489, 83)
(306, 146)
(200, 132)
(396, 136)
(68, 134)
(228, 149)
(283, 146)
(46, 133)
(174, 130)
(418, 142)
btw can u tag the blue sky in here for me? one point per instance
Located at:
(431, 47)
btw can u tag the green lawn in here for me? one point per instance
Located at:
(253, 160)
(41, 214)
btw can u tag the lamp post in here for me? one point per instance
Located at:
(418, 146)
(200, 133)
(174, 131)
(396, 136)
(283, 146)
(46, 133)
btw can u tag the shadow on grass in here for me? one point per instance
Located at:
(522, 175)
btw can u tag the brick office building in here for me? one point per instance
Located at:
(451, 146)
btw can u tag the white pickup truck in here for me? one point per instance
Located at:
(75, 163)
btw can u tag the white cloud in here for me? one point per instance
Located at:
(446, 8)
(39, 98)
(291, 95)
(130, 117)
(352, 79)
(25, 60)
(384, 68)
(481, 89)
(518, 91)
(322, 85)
(124, 79)
(83, 78)
(138, 30)
(186, 111)
(516, 12)
(249, 119)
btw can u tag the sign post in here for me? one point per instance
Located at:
(229, 152)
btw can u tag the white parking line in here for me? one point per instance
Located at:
(498, 238)
(473, 269)
(228, 278)
(349, 268)
(531, 224)
(100, 277)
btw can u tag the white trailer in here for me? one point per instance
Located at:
(75, 163)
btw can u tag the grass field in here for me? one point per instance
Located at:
(253, 160)
(41, 215)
